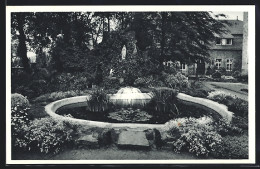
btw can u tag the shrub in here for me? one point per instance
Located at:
(38, 87)
(221, 97)
(233, 147)
(236, 74)
(25, 91)
(222, 70)
(71, 81)
(170, 69)
(239, 107)
(196, 89)
(18, 99)
(196, 92)
(79, 83)
(163, 100)
(209, 71)
(143, 81)
(46, 135)
(240, 122)
(99, 101)
(216, 75)
(156, 83)
(19, 116)
(224, 128)
(177, 81)
(242, 78)
(109, 83)
(41, 74)
(20, 79)
(198, 136)
(234, 104)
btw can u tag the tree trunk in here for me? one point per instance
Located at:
(103, 20)
(108, 23)
(22, 44)
(162, 58)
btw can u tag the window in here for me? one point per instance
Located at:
(229, 64)
(218, 63)
(183, 66)
(223, 41)
(218, 41)
(229, 41)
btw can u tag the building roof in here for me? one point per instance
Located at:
(233, 27)
(235, 31)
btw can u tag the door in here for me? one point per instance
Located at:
(201, 67)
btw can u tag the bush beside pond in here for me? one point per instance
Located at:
(197, 136)
(196, 89)
(45, 136)
(234, 147)
(234, 104)
(18, 99)
(206, 137)
(19, 117)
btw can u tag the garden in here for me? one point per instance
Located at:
(134, 90)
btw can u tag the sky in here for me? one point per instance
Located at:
(231, 15)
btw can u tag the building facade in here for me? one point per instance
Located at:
(228, 52)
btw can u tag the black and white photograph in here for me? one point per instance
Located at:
(130, 84)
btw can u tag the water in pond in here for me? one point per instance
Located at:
(133, 115)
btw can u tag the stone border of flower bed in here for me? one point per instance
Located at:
(52, 107)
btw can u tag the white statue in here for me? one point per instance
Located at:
(111, 72)
(123, 52)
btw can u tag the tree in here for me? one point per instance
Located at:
(161, 36)
(18, 22)
(189, 35)
(181, 36)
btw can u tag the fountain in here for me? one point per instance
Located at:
(130, 96)
(129, 109)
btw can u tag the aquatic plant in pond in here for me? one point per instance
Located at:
(99, 101)
(130, 115)
(164, 100)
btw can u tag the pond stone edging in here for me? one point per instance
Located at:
(220, 108)
(52, 107)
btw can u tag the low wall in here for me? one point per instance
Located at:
(219, 108)
(52, 107)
